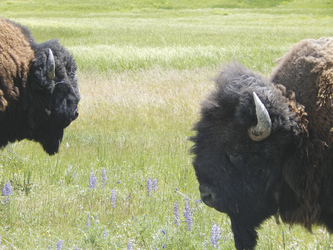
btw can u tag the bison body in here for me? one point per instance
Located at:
(264, 146)
(39, 93)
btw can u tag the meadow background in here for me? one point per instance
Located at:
(144, 67)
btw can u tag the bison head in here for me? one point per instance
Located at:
(53, 94)
(245, 133)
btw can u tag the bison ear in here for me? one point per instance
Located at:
(50, 66)
(264, 126)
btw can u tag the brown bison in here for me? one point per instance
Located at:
(39, 94)
(264, 147)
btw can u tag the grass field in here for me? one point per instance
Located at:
(144, 66)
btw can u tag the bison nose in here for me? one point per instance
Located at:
(76, 114)
(206, 196)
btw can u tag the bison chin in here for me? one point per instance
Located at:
(50, 140)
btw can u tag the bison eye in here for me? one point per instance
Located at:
(236, 159)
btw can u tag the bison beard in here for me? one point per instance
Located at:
(39, 94)
(252, 166)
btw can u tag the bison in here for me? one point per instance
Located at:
(39, 93)
(264, 146)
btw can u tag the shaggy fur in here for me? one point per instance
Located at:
(16, 56)
(307, 192)
(290, 172)
(32, 106)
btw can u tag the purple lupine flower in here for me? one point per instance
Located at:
(215, 235)
(105, 234)
(7, 189)
(59, 244)
(103, 177)
(188, 215)
(114, 197)
(148, 186)
(176, 212)
(92, 180)
(88, 223)
(129, 245)
(154, 184)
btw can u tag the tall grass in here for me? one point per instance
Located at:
(142, 73)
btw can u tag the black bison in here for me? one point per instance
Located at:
(264, 146)
(39, 94)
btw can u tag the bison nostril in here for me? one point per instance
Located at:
(206, 197)
(76, 114)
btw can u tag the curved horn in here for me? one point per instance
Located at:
(264, 126)
(50, 66)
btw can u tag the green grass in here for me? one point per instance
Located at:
(144, 67)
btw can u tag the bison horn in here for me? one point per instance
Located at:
(50, 66)
(263, 128)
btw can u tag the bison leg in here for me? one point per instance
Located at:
(244, 235)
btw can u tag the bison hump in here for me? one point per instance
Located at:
(16, 56)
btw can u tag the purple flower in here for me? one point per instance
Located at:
(176, 212)
(154, 184)
(129, 245)
(92, 180)
(59, 244)
(215, 235)
(88, 224)
(7, 189)
(163, 232)
(103, 177)
(114, 197)
(105, 234)
(176, 190)
(118, 182)
(148, 186)
(188, 215)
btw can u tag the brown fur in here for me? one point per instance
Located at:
(307, 71)
(16, 56)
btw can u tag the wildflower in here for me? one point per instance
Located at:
(7, 189)
(129, 245)
(105, 234)
(118, 182)
(88, 224)
(154, 184)
(215, 235)
(188, 215)
(149, 186)
(176, 212)
(59, 244)
(176, 190)
(92, 180)
(163, 232)
(103, 177)
(113, 198)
